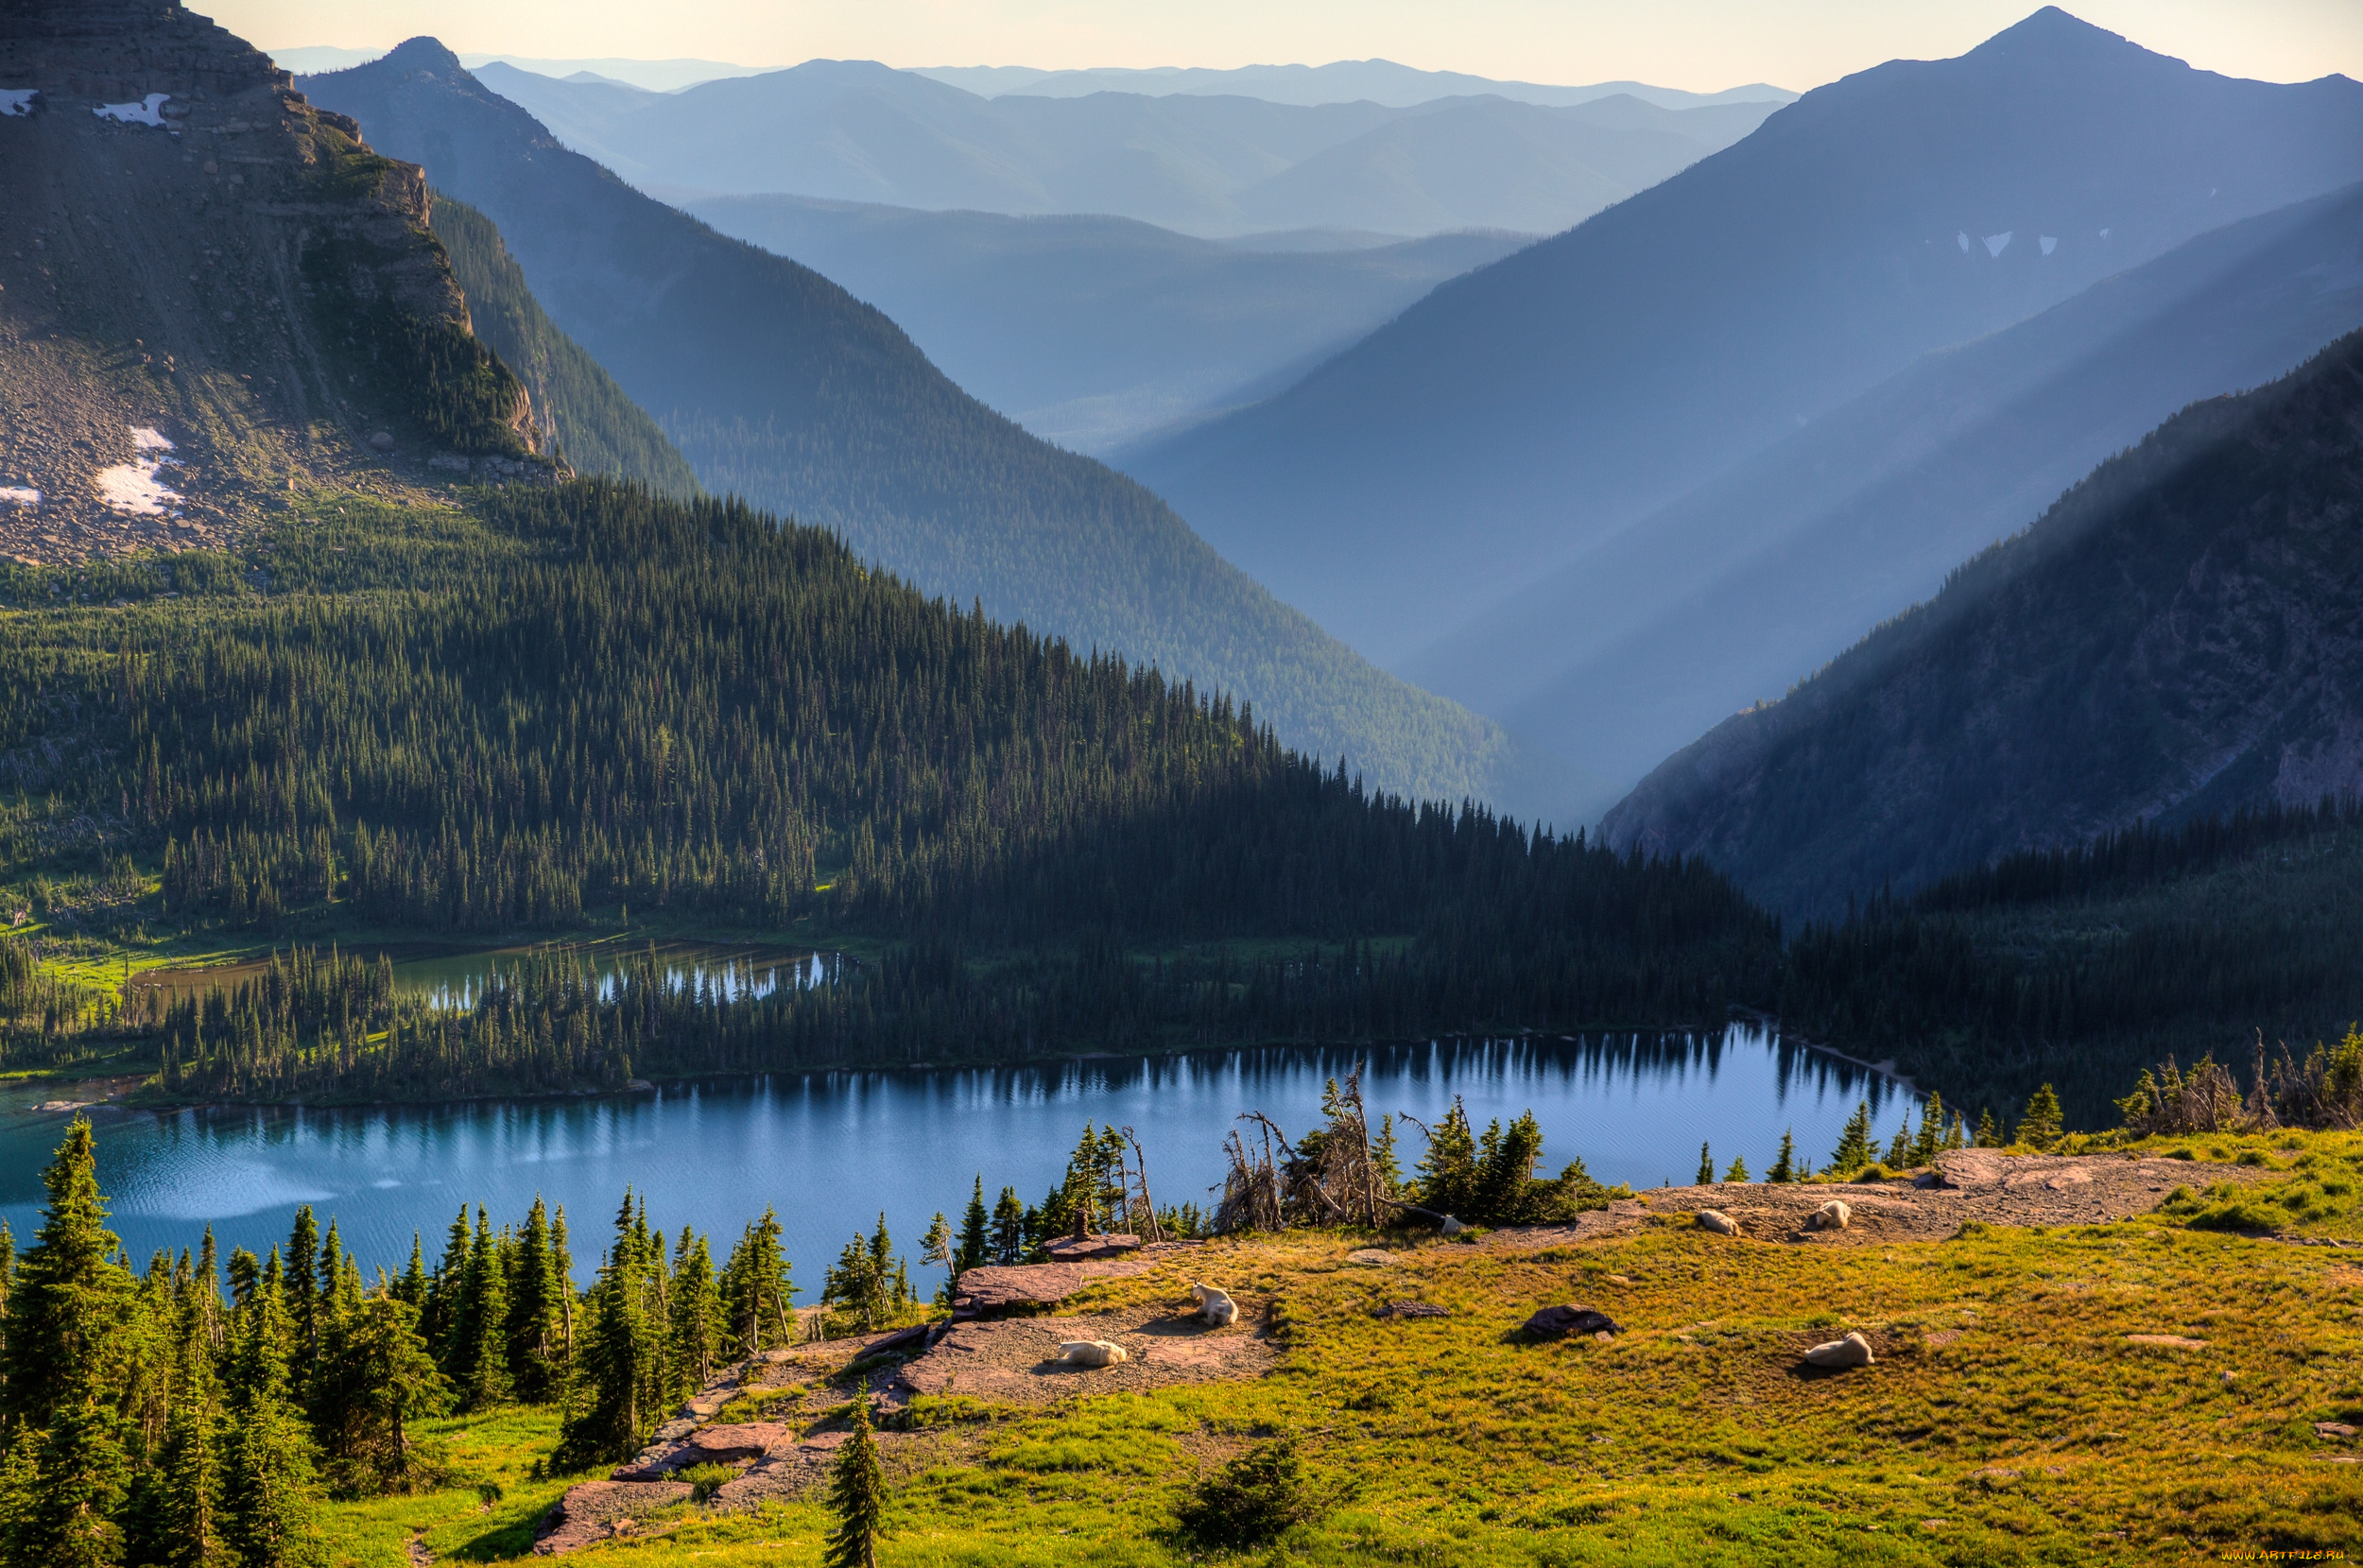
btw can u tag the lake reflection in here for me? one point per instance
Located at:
(830, 1151)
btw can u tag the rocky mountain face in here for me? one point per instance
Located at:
(210, 290)
(2180, 634)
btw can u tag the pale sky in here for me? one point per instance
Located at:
(1699, 45)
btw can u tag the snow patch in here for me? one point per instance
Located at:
(1996, 243)
(2049, 242)
(143, 113)
(1963, 237)
(134, 487)
(17, 101)
(19, 495)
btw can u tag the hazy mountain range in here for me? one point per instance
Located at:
(1380, 82)
(1529, 410)
(780, 387)
(1094, 332)
(2179, 636)
(1749, 584)
(854, 131)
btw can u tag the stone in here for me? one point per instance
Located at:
(1452, 1227)
(1833, 1215)
(1078, 1248)
(1371, 1257)
(380, 441)
(1093, 1353)
(2336, 1431)
(600, 1510)
(1553, 1322)
(1852, 1351)
(1412, 1309)
(2165, 1341)
(1718, 1222)
(1618, 1279)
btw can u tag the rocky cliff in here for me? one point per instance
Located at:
(210, 291)
(2180, 634)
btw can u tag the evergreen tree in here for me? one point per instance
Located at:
(1989, 1135)
(857, 1495)
(268, 1502)
(1899, 1146)
(694, 1306)
(382, 1358)
(411, 1287)
(535, 1325)
(1931, 1139)
(65, 1371)
(620, 1373)
(1382, 1162)
(447, 1334)
(1009, 1229)
(1706, 1166)
(975, 1245)
(480, 1371)
(1448, 1172)
(2039, 1128)
(302, 1284)
(1505, 1173)
(1784, 1166)
(1739, 1171)
(182, 1520)
(864, 1283)
(757, 1290)
(1854, 1149)
(935, 1248)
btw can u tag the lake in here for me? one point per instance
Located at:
(830, 1151)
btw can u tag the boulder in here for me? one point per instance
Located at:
(2336, 1431)
(1411, 1309)
(382, 440)
(1852, 1351)
(1553, 1322)
(1452, 1227)
(1833, 1215)
(1092, 1352)
(598, 1510)
(1718, 1222)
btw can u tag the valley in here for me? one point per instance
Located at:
(869, 813)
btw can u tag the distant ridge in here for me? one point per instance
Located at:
(1380, 82)
(780, 387)
(1546, 401)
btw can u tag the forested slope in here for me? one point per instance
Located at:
(586, 699)
(2177, 637)
(591, 422)
(780, 387)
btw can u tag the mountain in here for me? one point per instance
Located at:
(204, 265)
(2179, 636)
(780, 387)
(1546, 401)
(855, 131)
(1091, 332)
(586, 418)
(1380, 82)
(1746, 586)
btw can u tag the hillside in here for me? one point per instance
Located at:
(2176, 637)
(780, 387)
(214, 270)
(1738, 590)
(1091, 332)
(586, 418)
(854, 131)
(1567, 392)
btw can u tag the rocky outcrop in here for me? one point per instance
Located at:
(601, 1511)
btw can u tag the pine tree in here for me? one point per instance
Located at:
(975, 1234)
(1009, 1229)
(2039, 1128)
(1899, 1146)
(411, 1287)
(480, 1373)
(857, 1494)
(447, 1334)
(381, 1356)
(534, 1328)
(1854, 1149)
(303, 1293)
(1706, 1166)
(65, 1343)
(694, 1306)
(935, 1248)
(1739, 1171)
(1383, 1164)
(757, 1290)
(1785, 1167)
(1989, 1135)
(619, 1355)
(1448, 1171)
(1931, 1139)
(268, 1504)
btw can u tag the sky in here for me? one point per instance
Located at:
(1704, 45)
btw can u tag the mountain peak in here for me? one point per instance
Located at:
(2054, 34)
(423, 53)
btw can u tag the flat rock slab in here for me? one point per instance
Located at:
(1078, 1248)
(789, 1475)
(2165, 1341)
(601, 1511)
(993, 1288)
(1017, 1361)
(1372, 1257)
(732, 1443)
(1412, 1309)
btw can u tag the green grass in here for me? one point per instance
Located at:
(2009, 1419)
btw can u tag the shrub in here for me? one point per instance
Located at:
(705, 1480)
(1255, 1498)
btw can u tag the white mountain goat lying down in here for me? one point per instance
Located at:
(1216, 1306)
(1092, 1352)
(1852, 1351)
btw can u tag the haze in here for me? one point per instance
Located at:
(1704, 45)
